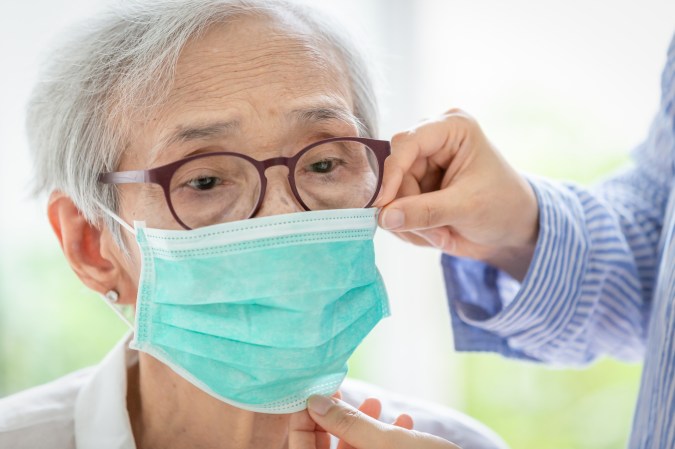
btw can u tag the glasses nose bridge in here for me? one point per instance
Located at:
(274, 162)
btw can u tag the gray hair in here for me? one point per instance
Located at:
(124, 63)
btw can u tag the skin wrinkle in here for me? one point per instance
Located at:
(328, 119)
(195, 132)
(202, 90)
(278, 52)
(239, 90)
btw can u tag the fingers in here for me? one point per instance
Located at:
(404, 421)
(363, 432)
(303, 434)
(420, 212)
(336, 395)
(371, 407)
(348, 424)
(437, 238)
(435, 139)
(415, 210)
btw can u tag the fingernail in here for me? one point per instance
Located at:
(392, 219)
(320, 404)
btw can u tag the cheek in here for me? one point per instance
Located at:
(147, 203)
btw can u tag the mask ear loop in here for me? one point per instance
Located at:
(117, 218)
(110, 302)
(111, 297)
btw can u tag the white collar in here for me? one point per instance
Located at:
(101, 416)
(102, 420)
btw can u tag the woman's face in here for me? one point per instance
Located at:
(255, 87)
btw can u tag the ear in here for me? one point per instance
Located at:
(82, 244)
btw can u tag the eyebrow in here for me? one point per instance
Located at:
(323, 114)
(200, 132)
(315, 115)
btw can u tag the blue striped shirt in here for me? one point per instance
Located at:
(602, 279)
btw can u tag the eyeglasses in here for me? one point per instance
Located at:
(212, 188)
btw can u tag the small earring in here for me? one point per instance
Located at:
(112, 296)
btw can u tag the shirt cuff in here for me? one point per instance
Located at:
(492, 312)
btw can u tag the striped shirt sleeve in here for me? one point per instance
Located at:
(589, 287)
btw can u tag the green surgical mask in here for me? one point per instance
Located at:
(264, 312)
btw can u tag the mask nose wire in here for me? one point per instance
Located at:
(117, 218)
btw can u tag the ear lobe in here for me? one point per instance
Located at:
(81, 244)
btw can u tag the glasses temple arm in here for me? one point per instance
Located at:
(124, 177)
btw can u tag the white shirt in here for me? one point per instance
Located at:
(87, 410)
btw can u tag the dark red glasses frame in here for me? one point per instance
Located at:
(162, 175)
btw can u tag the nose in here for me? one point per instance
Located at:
(278, 198)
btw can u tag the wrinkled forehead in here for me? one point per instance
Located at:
(257, 68)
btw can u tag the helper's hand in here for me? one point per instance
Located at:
(445, 185)
(356, 429)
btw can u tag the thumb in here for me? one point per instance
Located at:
(348, 424)
(303, 433)
(419, 212)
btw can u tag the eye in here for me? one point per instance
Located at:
(325, 165)
(204, 183)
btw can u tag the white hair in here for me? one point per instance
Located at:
(122, 63)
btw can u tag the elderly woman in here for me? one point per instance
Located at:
(211, 164)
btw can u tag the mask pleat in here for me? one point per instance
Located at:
(267, 273)
(236, 385)
(261, 325)
(245, 354)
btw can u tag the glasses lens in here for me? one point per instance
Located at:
(337, 175)
(215, 189)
